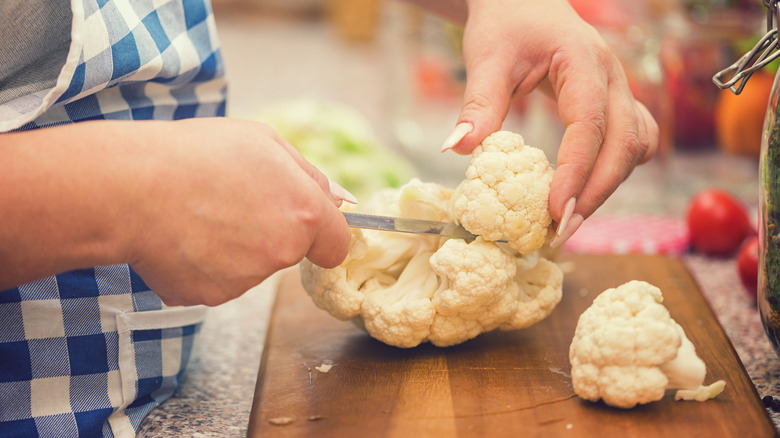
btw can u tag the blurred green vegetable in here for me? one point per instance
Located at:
(341, 143)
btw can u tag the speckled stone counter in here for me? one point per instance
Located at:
(737, 313)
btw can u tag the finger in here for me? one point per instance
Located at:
(641, 126)
(331, 242)
(582, 102)
(485, 104)
(647, 125)
(491, 84)
(622, 150)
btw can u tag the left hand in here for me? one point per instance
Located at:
(513, 47)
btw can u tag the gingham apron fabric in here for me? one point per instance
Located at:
(92, 352)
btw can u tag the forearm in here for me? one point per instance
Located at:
(64, 190)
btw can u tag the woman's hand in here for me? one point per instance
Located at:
(202, 209)
(229, 204)
(512, 47)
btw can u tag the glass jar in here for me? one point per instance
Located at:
(735, 78)
(769, 223)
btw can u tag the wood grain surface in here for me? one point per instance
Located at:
(501, 384)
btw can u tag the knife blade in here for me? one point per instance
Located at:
(405, 225)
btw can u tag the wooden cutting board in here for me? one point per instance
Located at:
(501, 384)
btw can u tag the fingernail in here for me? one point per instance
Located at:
(341, 193)
(457, 134)
(568, 209)
(571, 227)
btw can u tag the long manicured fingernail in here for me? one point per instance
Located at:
(571, 227)
(568, 209)
(341, 193)
(457, 134)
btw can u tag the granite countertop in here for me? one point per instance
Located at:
(215, 398)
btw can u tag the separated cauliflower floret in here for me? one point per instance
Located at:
(406, 289)
(627, 350)
(505, 193)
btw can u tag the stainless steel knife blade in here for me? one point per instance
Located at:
(404, 225)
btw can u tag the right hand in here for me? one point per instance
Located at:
(223, 204)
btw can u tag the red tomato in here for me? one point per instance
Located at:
(747, 265)
(717, 222)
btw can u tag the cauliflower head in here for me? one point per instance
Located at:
(505, 193)
(408, 289)
(627, 350)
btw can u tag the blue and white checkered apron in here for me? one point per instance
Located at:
(92, 352)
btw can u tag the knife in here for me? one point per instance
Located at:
(405, 225)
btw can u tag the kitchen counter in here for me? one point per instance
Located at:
(269, 61)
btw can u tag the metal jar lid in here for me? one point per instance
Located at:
(765, 51)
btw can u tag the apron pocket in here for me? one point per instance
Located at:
(154, 348)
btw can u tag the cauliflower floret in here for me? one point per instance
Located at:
(402, 313)
(415, 199)
(540, 290)
(627, 349)
(425, 201)
(330, 289)
(405, 289)
(505, 193)
(477, 291)
(338, 290)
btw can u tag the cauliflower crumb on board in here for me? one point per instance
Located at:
(406, 289)
(702, 393)
(281, 421)
(324, 368)
(627, 350)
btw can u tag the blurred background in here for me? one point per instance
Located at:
(369, 89)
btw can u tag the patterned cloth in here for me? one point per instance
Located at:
(131, 59)
(640, 233)
(91, 352)
(73, 351)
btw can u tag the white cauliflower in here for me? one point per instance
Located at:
(408, 289)
(401, 314)
(540, 285)
(483, 288)
(627, 350)
(506, 191)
